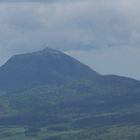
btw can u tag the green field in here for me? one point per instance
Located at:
(130, 132)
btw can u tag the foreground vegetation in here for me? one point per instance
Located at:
(77, 111)
(130, 132)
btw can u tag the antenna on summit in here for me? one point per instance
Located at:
(47, 45)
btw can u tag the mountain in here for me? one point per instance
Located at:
(47, 66)
(59, 98)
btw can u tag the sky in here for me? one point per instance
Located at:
(103, 34)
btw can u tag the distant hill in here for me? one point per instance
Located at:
(47, 66)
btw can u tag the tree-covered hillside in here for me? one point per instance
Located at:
(48, 95)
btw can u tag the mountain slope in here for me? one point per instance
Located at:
(64, 99)
(47, 66)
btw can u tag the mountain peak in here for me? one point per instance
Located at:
(48, 50)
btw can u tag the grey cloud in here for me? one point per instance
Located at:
(39, 1)
(90, 22)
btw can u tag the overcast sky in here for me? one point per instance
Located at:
(102, 34)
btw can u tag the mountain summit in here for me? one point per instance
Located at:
(47, 66)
